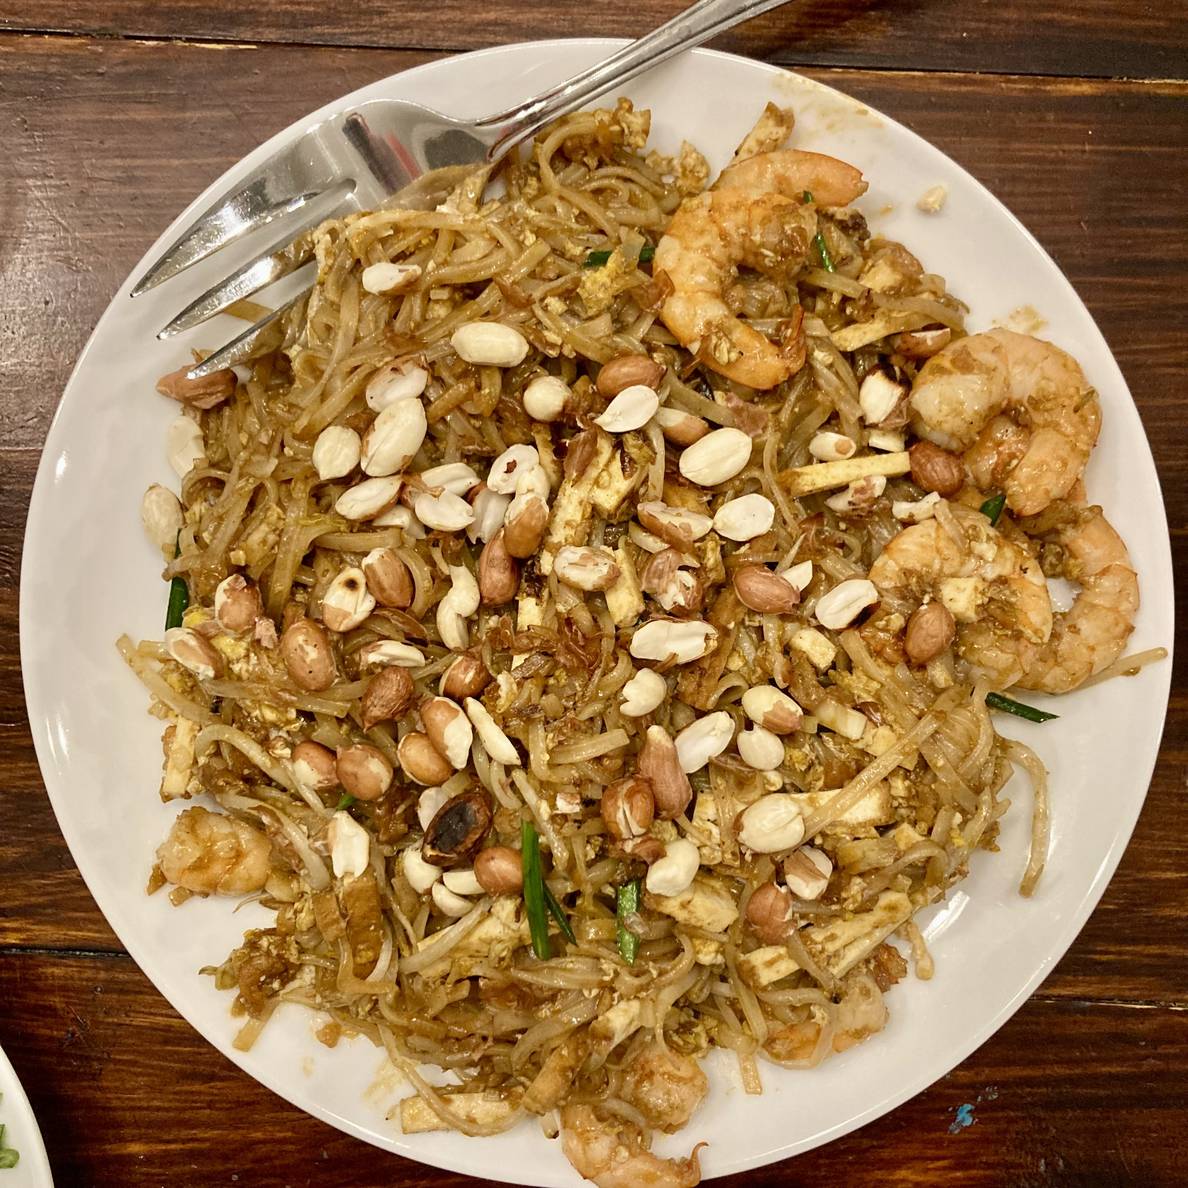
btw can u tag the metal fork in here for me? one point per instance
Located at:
(357, 158)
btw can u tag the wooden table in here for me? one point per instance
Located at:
(112, 115)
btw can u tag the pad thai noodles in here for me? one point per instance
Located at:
(586, 622)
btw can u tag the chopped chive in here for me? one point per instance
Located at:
(1008, 706)
(992, 508)
(626, 904)
(179, 595)
(9, 1157)
(806, 197)
(599, 258)
(558, 914)
(823, 252)
(534, 899)
(345, 802)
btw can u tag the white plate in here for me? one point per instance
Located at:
(21, 1132)
(89, 575)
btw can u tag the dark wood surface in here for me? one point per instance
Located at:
(112, 115)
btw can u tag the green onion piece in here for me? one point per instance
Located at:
(344, 803)
(998, 702)
(626, 904)
(534, 898)
(992, 508)
(179, 599)
(599, 258)
(823, 252)
(806, 197)
(9, 1157)
(558, 914)
(179, 595)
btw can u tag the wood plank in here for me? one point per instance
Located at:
(127, 1093)
(1092, 37)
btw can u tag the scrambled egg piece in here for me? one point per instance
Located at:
(762, 967)
(875, 808)
(479, 1108)
(624, 599)
(845, 943)
(599, 286)
(692, 170)
(491, 941)
(705, 904)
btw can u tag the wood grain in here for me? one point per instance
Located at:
(89, 1036)
(1085, 38)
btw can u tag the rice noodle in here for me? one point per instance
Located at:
(1027, 759)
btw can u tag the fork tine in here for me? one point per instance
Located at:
(291, 178)
(240, 349)
(278, 259)
(221, 224)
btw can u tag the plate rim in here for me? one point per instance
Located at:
(38, 1157)
(913, 1084)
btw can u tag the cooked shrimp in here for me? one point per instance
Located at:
(210, 853)
(611, 1154)
(861, 1012)
(757, 216)
(1088, 637)
(1020, 406)
(664, 1086)
(993, 588)
(793, 173)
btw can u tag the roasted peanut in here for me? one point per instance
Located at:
(315, 766)
(935, 469)
(457, 829)
(929, 631)
(498, 572)
(193, 652)
(466, 677)
(202, 393)
(660, 765)
(237, 604)
(364, 771)
(760, 589)
(308, 657)
(449, 729)
(626, 371)
(767, 913)
(422, 762)
(524, 525)
(388, 696)
(388, 579)
(628, 807)
(499, 870)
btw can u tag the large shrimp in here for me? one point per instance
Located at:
(993, 587)
(1082, 547)
(1019, 408)
(663, 1085)
(761, 214)
(612, 1155)
(210, 853)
